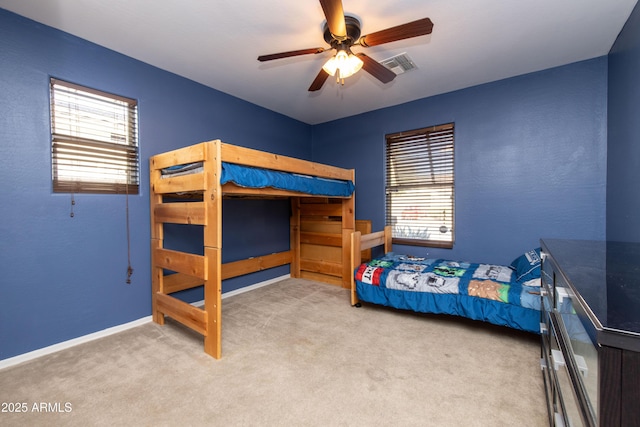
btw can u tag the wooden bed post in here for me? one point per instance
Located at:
(294, 237)
(212, 250)
(157, 236)
(348, 227)
(360, 242)
(355, 259)
(388, 238)
(157, 282)
(213, 303)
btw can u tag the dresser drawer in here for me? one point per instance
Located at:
(580, 346)
(567, 405)
(548, 378)
(592, 353)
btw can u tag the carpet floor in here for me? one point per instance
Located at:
(294, 353)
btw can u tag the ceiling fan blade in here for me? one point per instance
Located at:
(376, 69)
(319, 80)
(417, 28)
(334, 13)
(263, 58)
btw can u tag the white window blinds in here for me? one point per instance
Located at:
(420, 186)
(94, 141)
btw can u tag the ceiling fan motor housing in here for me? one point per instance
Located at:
(347, 33)
(353, 33)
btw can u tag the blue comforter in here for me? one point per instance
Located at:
(477, 291)
(250, 177)
(246, 176)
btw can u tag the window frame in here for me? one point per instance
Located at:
(402, 175)
(94, 140)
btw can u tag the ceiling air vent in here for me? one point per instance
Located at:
(399, 64)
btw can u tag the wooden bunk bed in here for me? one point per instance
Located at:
(195, 197)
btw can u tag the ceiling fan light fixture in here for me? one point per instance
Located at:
(341, 32)
(343, 63)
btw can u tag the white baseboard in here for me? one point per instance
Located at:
(12, 361)
(248, 288)
(71, 343)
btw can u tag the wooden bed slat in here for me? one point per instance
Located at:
(181, 213)
(321, 226)
(319, 277)
(230, 189)
(181, 262)
(325, 239)
(316, 209)
(372, 240)
(179, 282)
(263, 159)
(192, 154)
(320, 252)
(180, 184)
(251, 265)
(321, 266)
(193, 317)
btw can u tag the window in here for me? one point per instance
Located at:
(94, 141)
(420, 186)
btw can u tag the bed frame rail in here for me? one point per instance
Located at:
(263, 159)
(361, 242)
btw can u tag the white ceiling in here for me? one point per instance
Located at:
(216, 43)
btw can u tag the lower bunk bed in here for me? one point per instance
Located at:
(188, 186)
(501, 295)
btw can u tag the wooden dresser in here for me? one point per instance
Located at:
(590, 332)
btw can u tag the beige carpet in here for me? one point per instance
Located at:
(294, 354)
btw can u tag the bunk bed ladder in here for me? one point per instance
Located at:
(190, 270)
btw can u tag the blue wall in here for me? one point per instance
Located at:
(530, 159)
(623, 153)
(530, 162)
(63, 277)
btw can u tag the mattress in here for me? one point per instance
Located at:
(251, 177)
(484, 292)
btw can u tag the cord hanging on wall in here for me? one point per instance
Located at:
(73, 203)
(129, 268)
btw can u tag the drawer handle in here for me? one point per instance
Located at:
(582, 365)
(543, 328)
(557, 359)
(562, 293)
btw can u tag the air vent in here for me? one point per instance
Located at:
(399, 64)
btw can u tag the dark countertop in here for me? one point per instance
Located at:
(606, 275)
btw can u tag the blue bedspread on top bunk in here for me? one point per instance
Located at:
(246, 176)
(250, 177)
(477, 291)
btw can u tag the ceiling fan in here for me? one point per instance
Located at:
(342, 32)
